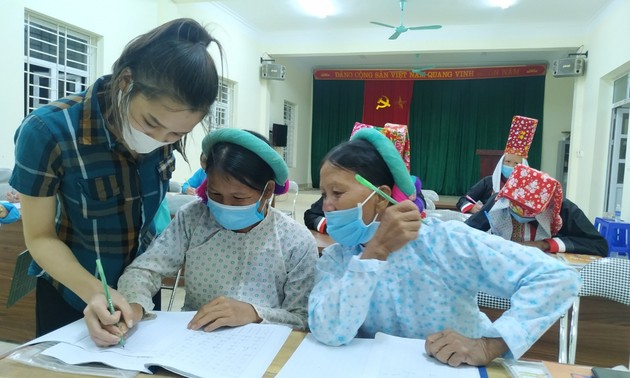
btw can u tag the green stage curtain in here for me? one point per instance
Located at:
(337, 105)
(450, 119)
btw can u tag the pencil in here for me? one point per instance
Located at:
(110, 304)
(371, 186)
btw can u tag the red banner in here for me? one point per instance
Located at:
(387, 101)
(463, 73)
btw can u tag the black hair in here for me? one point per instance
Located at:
(360, 156)
(240, 163)
(171, 61)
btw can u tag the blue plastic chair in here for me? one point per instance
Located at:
(617, 234)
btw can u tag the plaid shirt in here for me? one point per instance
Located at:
(106, 198)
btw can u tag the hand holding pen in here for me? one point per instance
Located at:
(110, 304)
(399, 224)
(478, 204)
(104, 323)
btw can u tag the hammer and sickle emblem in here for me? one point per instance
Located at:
(382, 102)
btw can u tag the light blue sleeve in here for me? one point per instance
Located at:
(13, 214)
(540, 287)
(195, 180)
(162, 217)
(340, 300)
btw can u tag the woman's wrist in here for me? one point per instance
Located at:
(494, 347)
(375, 250)
(138, 312)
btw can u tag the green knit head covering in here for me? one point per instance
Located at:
(252, 143)
(392, 158)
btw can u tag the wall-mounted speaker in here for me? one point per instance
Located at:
(273, 71)
(279, 135)
(573, 66)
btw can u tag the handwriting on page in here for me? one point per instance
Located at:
(225, 352)
(244, 351)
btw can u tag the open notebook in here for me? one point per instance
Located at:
(385, 356)
(164, 341)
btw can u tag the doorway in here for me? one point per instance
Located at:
(617, 156)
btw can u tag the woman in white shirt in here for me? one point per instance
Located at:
(245, 262)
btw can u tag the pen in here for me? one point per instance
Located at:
(101, 273)
(369, 185)
(489, 221)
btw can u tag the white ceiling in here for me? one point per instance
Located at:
(558, 18)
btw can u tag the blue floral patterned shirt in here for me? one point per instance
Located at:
(431, 284)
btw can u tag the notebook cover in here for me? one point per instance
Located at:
(22, 283)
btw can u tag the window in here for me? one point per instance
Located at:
(289, 120)
(58, 61)
(223, 106)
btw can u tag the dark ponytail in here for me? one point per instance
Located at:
(171, 61)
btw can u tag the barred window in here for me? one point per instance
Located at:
(223, 106)
(58, 61)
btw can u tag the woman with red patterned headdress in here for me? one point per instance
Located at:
(530, 210)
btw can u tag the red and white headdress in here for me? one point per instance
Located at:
(521, 136)
(534, 192)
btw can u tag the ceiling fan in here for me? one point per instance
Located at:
(398, 30)
(421, 70)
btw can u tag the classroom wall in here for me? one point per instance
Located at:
(557, 118)
(608, 58)
(116, 21)
(242, 55)
(297, 89)
(260, 102)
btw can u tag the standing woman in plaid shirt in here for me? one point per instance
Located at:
(93, 167)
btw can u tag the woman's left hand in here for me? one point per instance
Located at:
(455, 349)
(224, 312)
(13, 197)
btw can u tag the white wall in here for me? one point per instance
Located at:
(557, 112)
(608, 57)
(116, 21)
(241, 65)
(259, 103)
(297, 89)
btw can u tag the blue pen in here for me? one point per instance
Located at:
(489, 221)
(110, 304)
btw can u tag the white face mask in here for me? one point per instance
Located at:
(139, 141)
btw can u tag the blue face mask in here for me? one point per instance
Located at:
(346, 227)
(521, 219)
(506, 170)
(236, 217)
